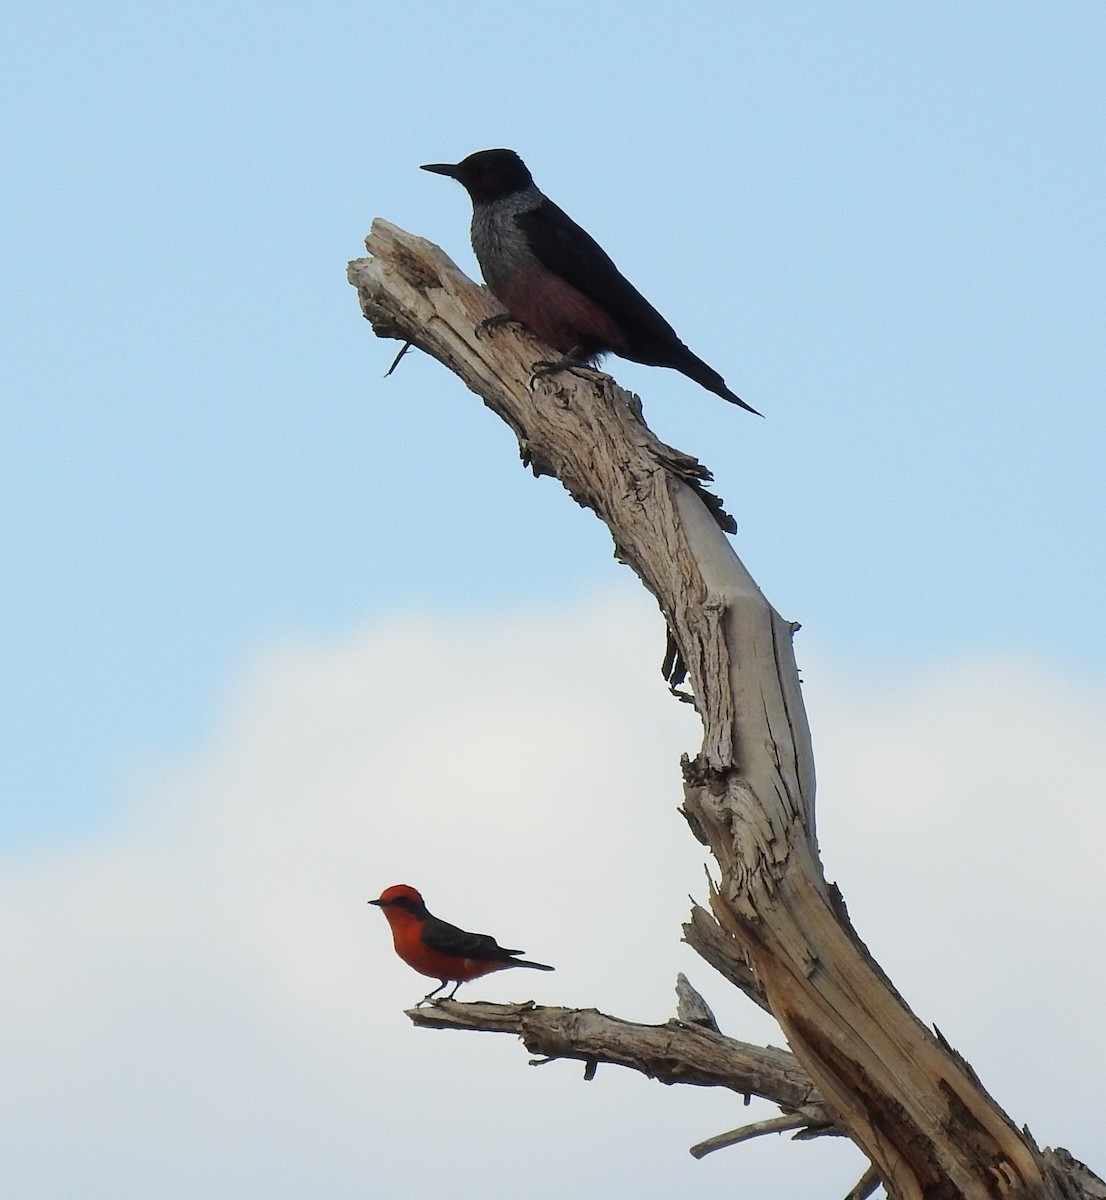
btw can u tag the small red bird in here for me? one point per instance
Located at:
(438, 949)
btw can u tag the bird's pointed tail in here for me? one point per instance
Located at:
(694, 368)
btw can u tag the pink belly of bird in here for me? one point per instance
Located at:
(557, 312)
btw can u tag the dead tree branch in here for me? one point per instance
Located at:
(907, 1100)
(746, 1133)
(672, 1053)
(865, 1185)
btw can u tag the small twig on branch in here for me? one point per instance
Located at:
(746, 1133)
(865, 1185)
(395, 361)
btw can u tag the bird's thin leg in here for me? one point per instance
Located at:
(430, 995)
(576, 360)
(454, 992)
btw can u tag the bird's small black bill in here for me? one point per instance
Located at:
(449, 169)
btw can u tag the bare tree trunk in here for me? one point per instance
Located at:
(871, 1069)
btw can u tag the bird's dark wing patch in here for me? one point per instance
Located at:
(572, 253)
(448, 939)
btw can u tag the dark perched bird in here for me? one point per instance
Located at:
(558, 281)
(438, 949)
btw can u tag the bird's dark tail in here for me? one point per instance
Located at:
(522, 962)
(694, 368)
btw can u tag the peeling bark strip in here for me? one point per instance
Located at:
(906, 1099)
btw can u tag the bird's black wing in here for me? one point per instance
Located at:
(448, 939)
(564, 248)
(561, 246)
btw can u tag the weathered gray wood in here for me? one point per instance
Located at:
(674, 1052)
(746, 1133)
(691, 1008)
(903, 1095)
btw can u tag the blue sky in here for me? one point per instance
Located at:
(881, 223)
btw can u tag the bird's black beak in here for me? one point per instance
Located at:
(450, 169)
(378, 903)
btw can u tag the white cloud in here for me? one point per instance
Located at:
(201, 1004)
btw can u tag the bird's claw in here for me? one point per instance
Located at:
(540, 369)
(490, 323)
